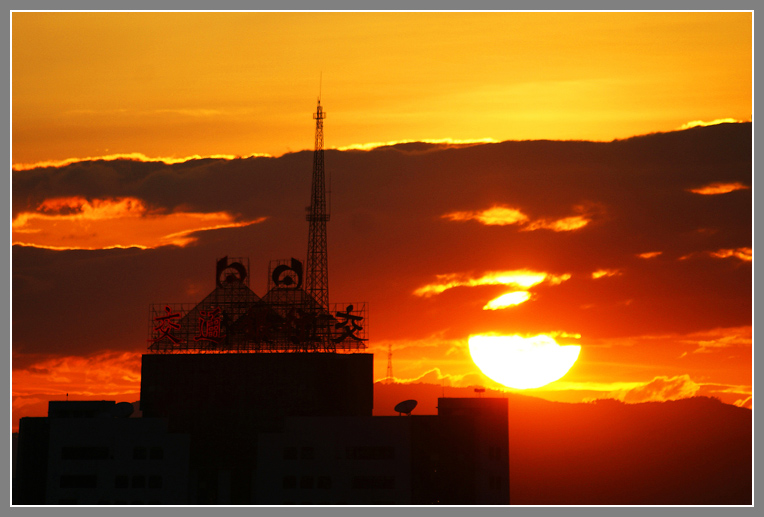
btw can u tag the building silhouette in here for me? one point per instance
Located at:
(264, 400)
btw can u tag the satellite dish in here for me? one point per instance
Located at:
(123, 409)
(405, 407)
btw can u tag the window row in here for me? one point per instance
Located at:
(137, 481)
(364, 452)
(136, 502)
(103, 453)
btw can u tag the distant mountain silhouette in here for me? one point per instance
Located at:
(695, 451)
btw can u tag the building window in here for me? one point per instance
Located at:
(306, 482)
(324, 482)
(78, 481)
(156, 453)
(139, 481)
(307, 453)
(289, 482)
(121, 481)
(155, 481)
(84, 453)
(139, 453)
(290, 453)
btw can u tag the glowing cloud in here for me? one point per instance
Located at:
(104, 376)
(138, 157)
(650, 254)
(744, 254)
(718, 188)
(504, 215)
(520, 278)
(522, 362)
(566, 224)
(702, 123)
(605, 272)
(507, 300)
(497, 215)
(77, 223)
(659, 389)
(720, 338)
(448, 141)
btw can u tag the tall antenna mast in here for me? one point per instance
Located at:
(317, 268)
(390, 362)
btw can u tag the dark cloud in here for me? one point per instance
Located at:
(387, 237)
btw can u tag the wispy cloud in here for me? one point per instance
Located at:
(566, 224)
(106, 375)
(650, 254)
(79, 223)
(519, 278)
(446, 141)
(703, 123)
(502, 215)
(718, 188)
(600, 273)
(139, 157)
(710, 340)
(744, 254)
(659, 389)
(497, 215)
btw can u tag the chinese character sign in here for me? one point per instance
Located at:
(210, 323)
(349, 325)
(165, 324)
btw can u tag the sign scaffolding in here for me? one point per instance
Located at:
(233, 319)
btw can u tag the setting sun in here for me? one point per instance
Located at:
(520, 362)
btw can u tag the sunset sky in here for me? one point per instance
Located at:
(638, 250)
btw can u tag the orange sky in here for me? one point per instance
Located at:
(183, 84)
(564, 248)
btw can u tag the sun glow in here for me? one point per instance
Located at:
(522, 362)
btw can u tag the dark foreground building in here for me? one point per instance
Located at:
(283, 452)
(92, 453)
(296, 428)
(225, 401)
(268, 400)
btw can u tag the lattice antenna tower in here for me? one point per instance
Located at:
(390, 362)
(317, 268)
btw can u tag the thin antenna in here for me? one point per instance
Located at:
(317, 269)
(320, 82)
(390, 362)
